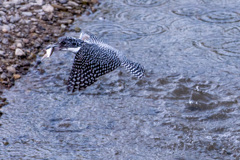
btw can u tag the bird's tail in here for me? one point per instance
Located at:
(135, 68)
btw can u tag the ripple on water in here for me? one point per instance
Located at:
(188, 11)
(220, 16)
(114, 32)
(146, 29)
(148, 16)
(219, 2)
(222, 46)
(145, 3)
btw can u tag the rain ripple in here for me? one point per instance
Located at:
(222, 46)
(145, 3)
(153, 16)
(188, 11)
(220, 16)
(133, 32)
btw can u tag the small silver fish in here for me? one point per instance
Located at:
(49, 51)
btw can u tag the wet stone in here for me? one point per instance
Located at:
(62, 1)
(11, 69)
(5, 28)
(2, 53)
(15, 18)
(48, 8)
(16, 76)
(27, 14)
(19, 52)
(3, 76)
(71, 3)
(5, 41)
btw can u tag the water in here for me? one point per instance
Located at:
(186, 107)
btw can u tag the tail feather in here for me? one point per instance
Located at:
(135, 68)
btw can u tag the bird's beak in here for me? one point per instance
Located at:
(49, 50)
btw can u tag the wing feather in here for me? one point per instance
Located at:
(91, 62)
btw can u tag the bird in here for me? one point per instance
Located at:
(93, 58)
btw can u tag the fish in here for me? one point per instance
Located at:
(49, 50)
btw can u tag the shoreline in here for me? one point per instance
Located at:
(27, 28)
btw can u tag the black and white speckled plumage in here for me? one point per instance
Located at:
(94, 59)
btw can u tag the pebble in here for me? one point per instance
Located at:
(14, 19)
(16, 76)
(47, 8)
(71, 3)
(19, 52)
(11, 69)
(1, 70)
(5, 28)
(62, 1)
(39, 2)
(5, 41)
(27, 14)
(2, 53)
(3, 76)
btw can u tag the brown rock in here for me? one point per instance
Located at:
(16, 76)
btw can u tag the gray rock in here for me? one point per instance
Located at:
(25, 7)
(27, 14)
(1, 70)
(62, 1)
(47, 8)
(11, 69)
(15, 18)
(6, 28)
(2, 13)
(39, 2)
(71, 3)
(2, 53)
(5, 41)
(4, 76)
(19, 52)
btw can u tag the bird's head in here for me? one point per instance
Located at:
(64, 43)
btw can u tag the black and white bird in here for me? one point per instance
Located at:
(93, 59)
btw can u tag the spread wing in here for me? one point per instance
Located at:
(91, 62)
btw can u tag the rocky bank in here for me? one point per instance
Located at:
(26, 27)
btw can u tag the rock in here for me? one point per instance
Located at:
(47, 8)
(2, 53)
(12, 47)
(65, 21)
(94, 1)
(3, 76)
(19, 52)
(5, 28)
(27, 14)
(14, 19)
(25, 7)
(71, 3)
(5, 41)
(1, 70)
(63, 27)
(11, 69)
(19, 45)
(39, 2)
(77, 29)
(16, 76)
(2, 13)
(62, 1)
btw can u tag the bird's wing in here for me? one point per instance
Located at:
(88, 37)
(90, 63)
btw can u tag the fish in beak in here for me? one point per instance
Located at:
(49, 51)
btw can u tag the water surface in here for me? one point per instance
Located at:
(186, 107)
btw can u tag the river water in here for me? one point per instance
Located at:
(185, 108)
